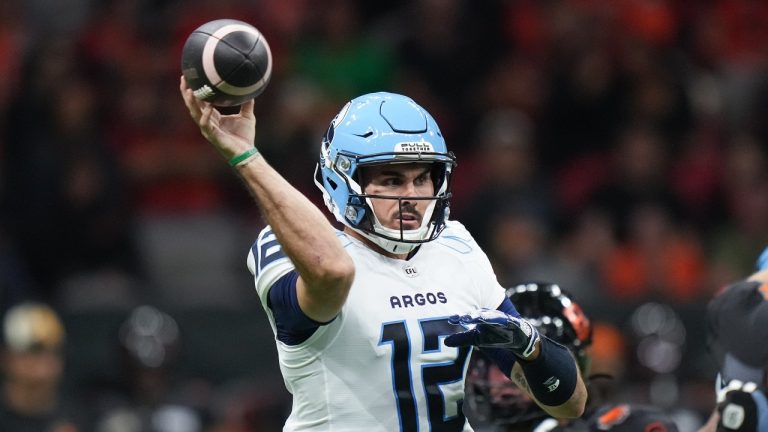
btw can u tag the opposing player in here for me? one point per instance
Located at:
(32, 359)
(374, 324)
(738, 331)
(501, 405)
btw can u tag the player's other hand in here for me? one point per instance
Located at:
(741, 407)
(495, 329)
(231, 134)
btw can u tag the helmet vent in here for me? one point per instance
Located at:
(331, 183)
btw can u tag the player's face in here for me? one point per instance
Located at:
(39, 369)
(400, 180)
(503, 390)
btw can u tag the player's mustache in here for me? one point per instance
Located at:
(409, 209)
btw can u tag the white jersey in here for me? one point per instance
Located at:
(381, 364)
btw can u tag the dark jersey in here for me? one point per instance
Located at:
(57, 421)
(618, 417)
(626, 417)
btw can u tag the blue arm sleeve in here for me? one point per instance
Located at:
(504, 359)
(293, 326)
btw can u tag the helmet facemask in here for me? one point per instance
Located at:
(359, 214)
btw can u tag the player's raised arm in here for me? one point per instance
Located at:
(325, 269)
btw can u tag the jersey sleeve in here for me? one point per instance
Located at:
(267, 262)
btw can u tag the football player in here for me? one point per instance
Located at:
(497, 402)
(738, 331)
(375, 323)
(32, 367)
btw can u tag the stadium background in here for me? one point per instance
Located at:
(617, 147)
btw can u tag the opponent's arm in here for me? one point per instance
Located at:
(543, 368)
(325, 269)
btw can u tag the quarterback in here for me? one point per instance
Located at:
(374, 324)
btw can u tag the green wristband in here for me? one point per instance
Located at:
(243, 156)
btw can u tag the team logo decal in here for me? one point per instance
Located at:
(733, 416)
(410, 270)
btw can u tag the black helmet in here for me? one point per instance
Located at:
(492, 397)
(556, 315)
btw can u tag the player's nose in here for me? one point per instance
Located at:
(409, 189)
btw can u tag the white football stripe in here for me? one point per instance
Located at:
(272, 249)
(209, 67)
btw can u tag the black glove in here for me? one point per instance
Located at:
(743, 408)
(495, 329)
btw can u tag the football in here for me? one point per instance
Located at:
(226, 62)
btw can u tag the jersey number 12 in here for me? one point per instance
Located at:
(433, 375)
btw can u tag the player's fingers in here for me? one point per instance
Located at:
(462, 339)
(192, 103)
(482, 316)
(246, 109)
(205, 122)
(456, 319)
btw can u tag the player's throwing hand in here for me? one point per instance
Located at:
(233, 134)
(496, 329)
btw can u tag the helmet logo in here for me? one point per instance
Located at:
(613, 417)
(578, 320)
(414, 147)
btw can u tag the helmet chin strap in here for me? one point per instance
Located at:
(391, 246)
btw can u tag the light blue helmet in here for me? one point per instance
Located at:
(383, 128)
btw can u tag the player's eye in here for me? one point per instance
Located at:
(392, 181)
(422, 179)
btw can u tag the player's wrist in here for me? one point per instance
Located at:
(534, 354)
(530, 348)
(243, 158)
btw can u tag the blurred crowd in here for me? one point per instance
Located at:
(617, 147)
